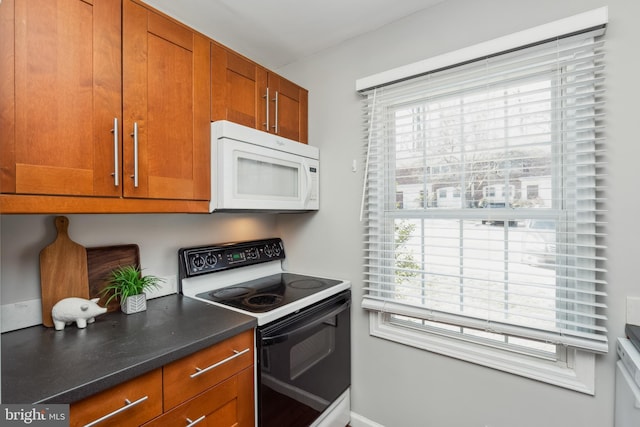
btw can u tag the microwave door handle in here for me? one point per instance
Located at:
(270, 340)
(309, 186)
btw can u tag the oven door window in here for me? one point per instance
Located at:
(305, 366)
(313, 350)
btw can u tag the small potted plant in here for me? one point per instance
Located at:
(128, 285)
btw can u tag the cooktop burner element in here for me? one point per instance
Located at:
(306, 284)
(234, 292)
(269, 292)
(261, 301)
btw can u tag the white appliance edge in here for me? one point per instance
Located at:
(231, 142)
(627, 385)
(198, 284)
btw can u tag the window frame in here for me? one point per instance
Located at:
(576, 372)
(571, 367)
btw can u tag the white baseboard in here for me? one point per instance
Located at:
(360, 421)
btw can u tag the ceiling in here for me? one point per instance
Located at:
(275, 33)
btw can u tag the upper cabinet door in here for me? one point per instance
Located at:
(166, 79)
(60, 70)
(235, 88)
(246, 93)
(288, 108)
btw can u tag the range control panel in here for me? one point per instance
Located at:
(218, 257)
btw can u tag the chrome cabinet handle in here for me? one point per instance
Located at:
(235, 354)
(275, 126)
(116, 178)
(135, 154)
(192, 423)
(127, 405)
(266, 98)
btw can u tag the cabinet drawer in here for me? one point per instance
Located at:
(229, 403)
(128, 404)
(194, 374)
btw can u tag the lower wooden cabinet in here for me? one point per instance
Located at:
(129, 404)
(229, 404)
(212, 387)
(191, 375)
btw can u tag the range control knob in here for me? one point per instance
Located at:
(276, 249)
(197, 261)
(268, 251)
(253, 253)
(211, 260)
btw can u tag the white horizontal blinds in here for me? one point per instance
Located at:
(483, 197)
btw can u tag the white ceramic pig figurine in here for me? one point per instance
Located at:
(79, 310)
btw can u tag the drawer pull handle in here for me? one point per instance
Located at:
(235, 354)
(128, 405)
(192, 423)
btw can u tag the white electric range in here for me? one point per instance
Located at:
(627, 398)
(303, 359)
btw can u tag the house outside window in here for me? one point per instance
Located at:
(532, 192)
(505, 267)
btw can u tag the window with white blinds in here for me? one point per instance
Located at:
(484, 199)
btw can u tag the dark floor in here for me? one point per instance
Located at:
(280, 404)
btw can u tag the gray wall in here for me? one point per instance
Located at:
(158, 236)
(397, 385)
(392, 384)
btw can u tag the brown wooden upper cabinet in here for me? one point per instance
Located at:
(101, 98)
(166, 107)
(58, 118)
(246, 93)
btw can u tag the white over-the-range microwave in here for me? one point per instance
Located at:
(258, 171)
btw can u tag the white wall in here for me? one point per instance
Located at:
(396, 385)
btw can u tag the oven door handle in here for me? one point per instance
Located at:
(270, 340)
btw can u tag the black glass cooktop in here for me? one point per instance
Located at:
(266, 293)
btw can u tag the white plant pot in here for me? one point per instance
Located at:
(134, 304)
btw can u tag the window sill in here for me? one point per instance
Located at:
(577, 374)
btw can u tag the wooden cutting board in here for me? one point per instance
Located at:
(102, 261)
(63, 270)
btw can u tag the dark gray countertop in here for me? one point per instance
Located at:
(42, 365)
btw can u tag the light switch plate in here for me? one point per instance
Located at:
(633, 310)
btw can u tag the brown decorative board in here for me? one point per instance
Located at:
(101, 261)
(63, 270)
